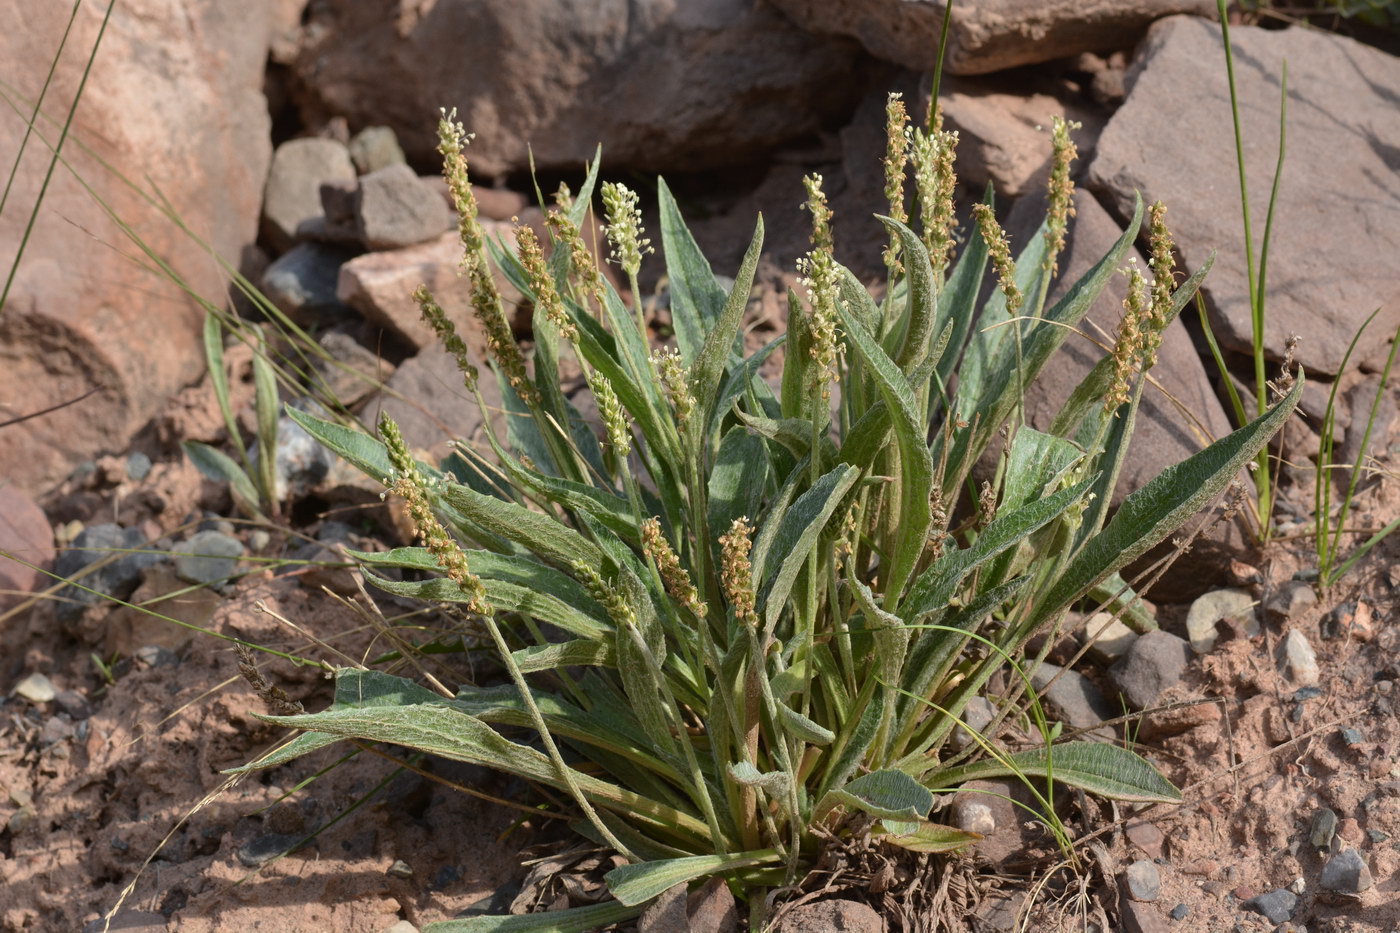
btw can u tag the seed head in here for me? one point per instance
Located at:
(999, 250)
(614, 417)
(736, 570)
(896, 157)
(933, 156)
(584, 268)
(564, 197)
(624, 227)
(669, 368)
(606, 593)
(668, 563)
(410, 484)
(1060, 191)
(542, 283)
(1128, 350)
(446, 331)
(817, 271)
(452, 140)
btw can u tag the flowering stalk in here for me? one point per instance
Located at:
(542, 283)
(624, 231)
(896, 157)
(999, 251)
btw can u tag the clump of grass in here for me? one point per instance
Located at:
(748, 617)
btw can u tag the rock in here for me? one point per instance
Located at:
(1324, 827)
(1141, 917)
(116, 579)
(499, 203)
(1215, 607)
(1180, 912)
(375, 147)
(974, 816)
(992, 35)
(1298, 660)
(1353, 619)
(400, 869)
(996, 810)
(426, 397)
(1291, 598)
(302, 282)
(660, 84)
(1143, 880)
(999, 911)
(36, 688)
(207, 557)
(1162, 436)
(129, 921)
(74, 704)
(1074, 700)
(1173, 139)
(1004, 132)
(1154, 663)
(1146, 836)
(128, 629)
(403, 926)
(1347, 873)
(293, 196)
(138, 466)
(833, 916)
(175, 96)
(380, 286)
(1277, 905)
(395, 208)
(352, 371)
(1360, 398)
(301, 462)
(260, 850)
(26, 534)
(1109, 639)
(666, 914)
(977, 715)
(712, 908)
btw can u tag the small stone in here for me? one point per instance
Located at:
(1324, 827)
(1073, 699)
(207, 557)
(977, 715)
(1384, 687)
(1348, 830)
(1180, 912)
(1353, 736)
(262, 849)
(1298, 886)
(1376, 836)
(1153, 663)
(294, 179)
(666, 913)
(1147, 837)
(1217, 606)
(829, 916)
(1307, 693)
(258, 540)
(397, 209)
(1277, 905)
(1141, 917)
(1291, 598)
(1347, 873)
(400, 869)
(375, 147)
(301, 462)
(403, 926)
(1109, 637)
(156, 656)
(712, 908)
(117, 578)
(55, 730)
(302, 283)
(1298, 660)
(1143, 880)
(974, 816)
(138, 465)
(352, 371)
(36, 688)
(1352, 619)
(74, 704)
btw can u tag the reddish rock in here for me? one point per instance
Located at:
(175, 95)
(989, 35)
(661, 84)
(26, 534)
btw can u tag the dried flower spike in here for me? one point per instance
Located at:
(999, 250)
(411, 485)
(1127, 351)
(668, 563)
(671, 370)
(736, 570)
(624, 227)
(542, 283)
(1059, 192)
(584, 268)
(446, 331)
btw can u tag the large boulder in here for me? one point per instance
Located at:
(174, 101)
(986, 35)
(1334, 256)
(674, 84)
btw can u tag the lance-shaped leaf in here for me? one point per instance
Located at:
(697, 301)
(888, 795)
(709, 365)
(799, 530)
(570, 920)
(1097, 767)
(911, 347)
(928, 837)
(640, 882)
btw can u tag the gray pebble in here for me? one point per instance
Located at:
(207, 557)
(1347, 873)
(138, 465)
(1277, 905)
(1144, 881)
(36, 688)
(1154, 662)
(1324, 827)
(400, 869)
(1180, 912)
(262, 849)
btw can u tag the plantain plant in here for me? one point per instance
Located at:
(749, 615)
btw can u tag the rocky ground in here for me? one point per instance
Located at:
(1270, 701)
